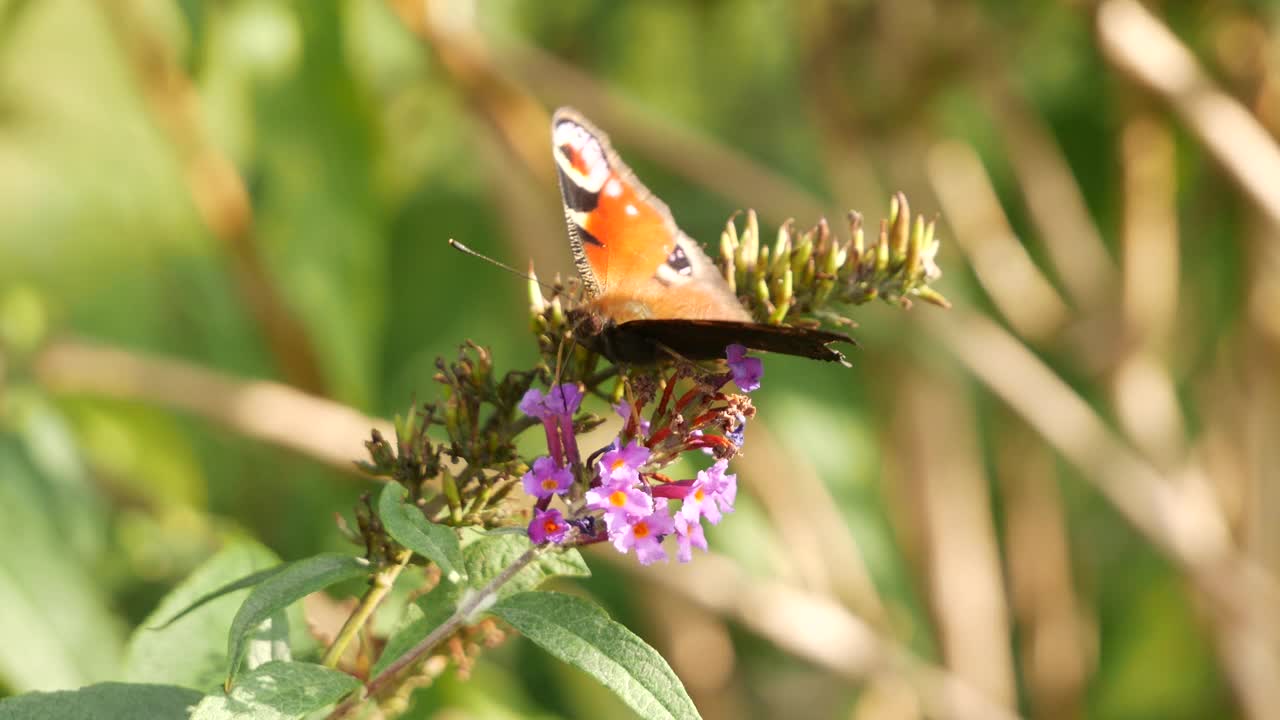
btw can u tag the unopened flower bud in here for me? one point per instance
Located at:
(749, 251)
(882, 248)
(728, 252)
(557, 312)
(537, 303)
(782, 248)
(901, 227)
(782, 298)
(801, 254)
(914, 249)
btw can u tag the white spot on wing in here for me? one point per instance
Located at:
(613, 188)
(581, 141)
(631, 209)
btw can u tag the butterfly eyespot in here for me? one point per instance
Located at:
(678, 261)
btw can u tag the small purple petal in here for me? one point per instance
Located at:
(650, 551)
(746, 371)
(688, 535)
(564, 399)
(548, 526)
(619, 503)
(546, 478)
(711, 495)
(532, 404)
(622, 465)
(644, 535)
(623, 408)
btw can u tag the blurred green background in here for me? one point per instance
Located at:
(1059, 497)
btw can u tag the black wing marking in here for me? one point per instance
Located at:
(647, 341)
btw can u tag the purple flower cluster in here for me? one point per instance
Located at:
(624, 488)
(636, 514)
(551, 475)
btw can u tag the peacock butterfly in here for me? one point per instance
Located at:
(651, 290)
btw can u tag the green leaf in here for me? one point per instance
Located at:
(488, 556)
(297, 580)
(105, 701)
(193, 652)
(53, 603)
(581, 634)
(410, 528)
(247, 581)
(485, 557)
(269, 642)
(278, 691)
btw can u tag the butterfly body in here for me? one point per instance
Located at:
(651, 290)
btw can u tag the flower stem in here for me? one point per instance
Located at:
(382, 583)
(461, 616)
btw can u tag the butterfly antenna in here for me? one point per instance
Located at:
(468, 251)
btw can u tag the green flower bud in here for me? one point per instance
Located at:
(782, 248)
(830, 268)
(802, 256)
(750, 251)
(728, 253)
(762, 293)
(557, 313)
(930, 295)
(915, 246)
(782, 299)
(882, 249)
(536, 302)
(901, 227)
(857, 239)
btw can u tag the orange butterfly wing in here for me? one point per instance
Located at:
(633, 259)
(660, 293)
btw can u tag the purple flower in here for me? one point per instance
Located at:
(564, 399)
(644, 535)
(545, 479)
(622, 465)
(556, 410)
(560, 401)
(688, 535)
(620, 502)
(624, 410)
(711, 494)
(747, 371)
(548, 526)
(532, 403)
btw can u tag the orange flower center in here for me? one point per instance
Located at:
(550, 484)
(617, 498)
(619, 463)
(641, 529)
(550, 526)
(699, 495)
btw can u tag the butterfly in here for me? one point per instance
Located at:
(651, 291)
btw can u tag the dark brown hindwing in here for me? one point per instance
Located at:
(647, 341)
